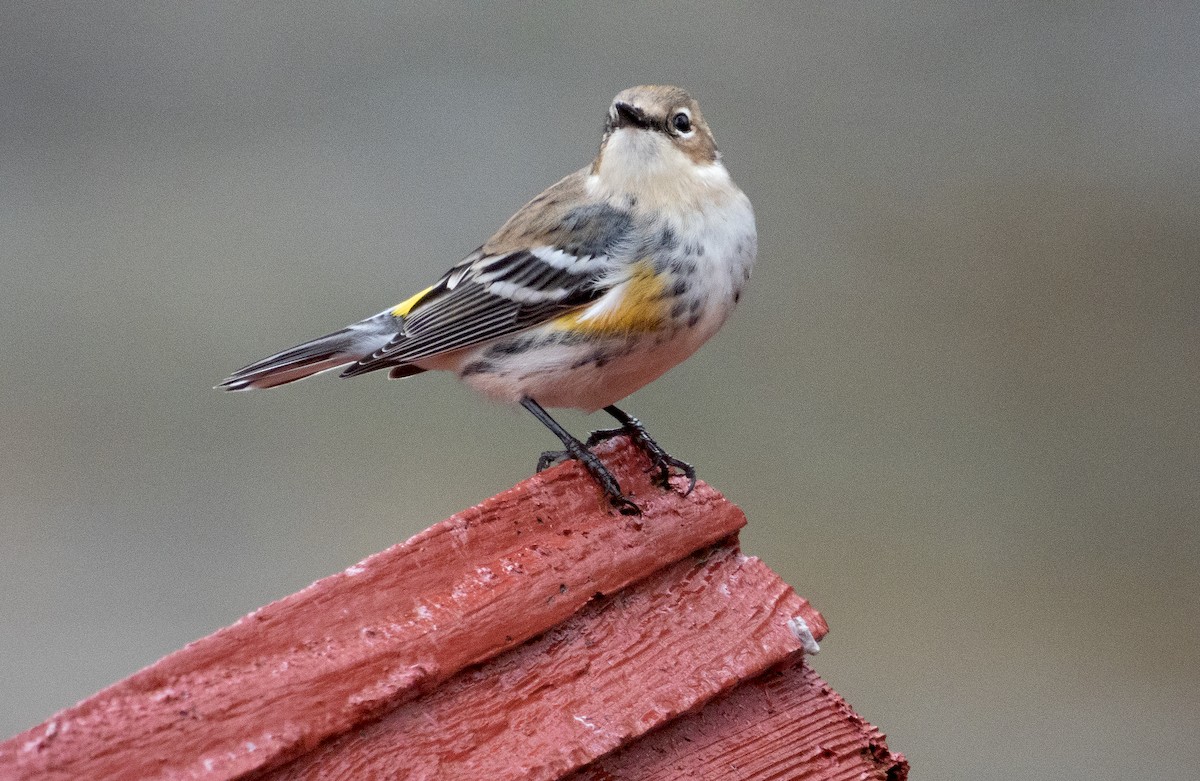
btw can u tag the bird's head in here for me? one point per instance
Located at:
(654, 131)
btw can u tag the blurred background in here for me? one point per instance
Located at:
(958, 403)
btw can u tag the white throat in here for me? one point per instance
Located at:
(648, 167)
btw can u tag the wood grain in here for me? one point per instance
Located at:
(621, 667)
(360, 643)
(785, 725)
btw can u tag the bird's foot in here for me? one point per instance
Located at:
(591, 462)
(663, 462)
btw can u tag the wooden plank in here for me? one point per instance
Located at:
(785, 725)
(620, 667)
(357, 644)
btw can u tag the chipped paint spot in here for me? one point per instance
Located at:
(799, 629)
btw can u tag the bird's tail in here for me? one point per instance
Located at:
(328, 352)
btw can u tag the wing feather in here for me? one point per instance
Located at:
(486, 306)
(551, 258)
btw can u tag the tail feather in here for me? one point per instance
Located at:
(340, 348)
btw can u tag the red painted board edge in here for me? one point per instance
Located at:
(359, 643)
(785, 725)
(620, 667)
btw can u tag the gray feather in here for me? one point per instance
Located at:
(339, 348)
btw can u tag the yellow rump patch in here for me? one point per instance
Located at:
(640, 310)
(405, 307)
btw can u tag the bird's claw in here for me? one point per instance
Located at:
(661, 461)
(669, 462)
(551, 458)
(591, 462)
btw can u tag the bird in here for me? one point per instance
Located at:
(593, 289)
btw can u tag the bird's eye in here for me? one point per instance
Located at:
(682, 122)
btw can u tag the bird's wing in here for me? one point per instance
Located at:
(554, 256)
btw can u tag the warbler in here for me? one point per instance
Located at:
(590, 291)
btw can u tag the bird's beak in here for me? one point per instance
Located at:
(628, 115)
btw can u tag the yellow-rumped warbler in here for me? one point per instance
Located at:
(593, 289)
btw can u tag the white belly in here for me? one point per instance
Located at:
(589, 372)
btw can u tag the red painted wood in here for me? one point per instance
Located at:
(355, 645)
(786, 725)
(620, 667)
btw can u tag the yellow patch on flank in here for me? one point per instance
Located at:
(405, 307)
(641, 308)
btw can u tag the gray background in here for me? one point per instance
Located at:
(958, 403)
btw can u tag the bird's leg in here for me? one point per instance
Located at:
(579, 451)
(662, 460)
